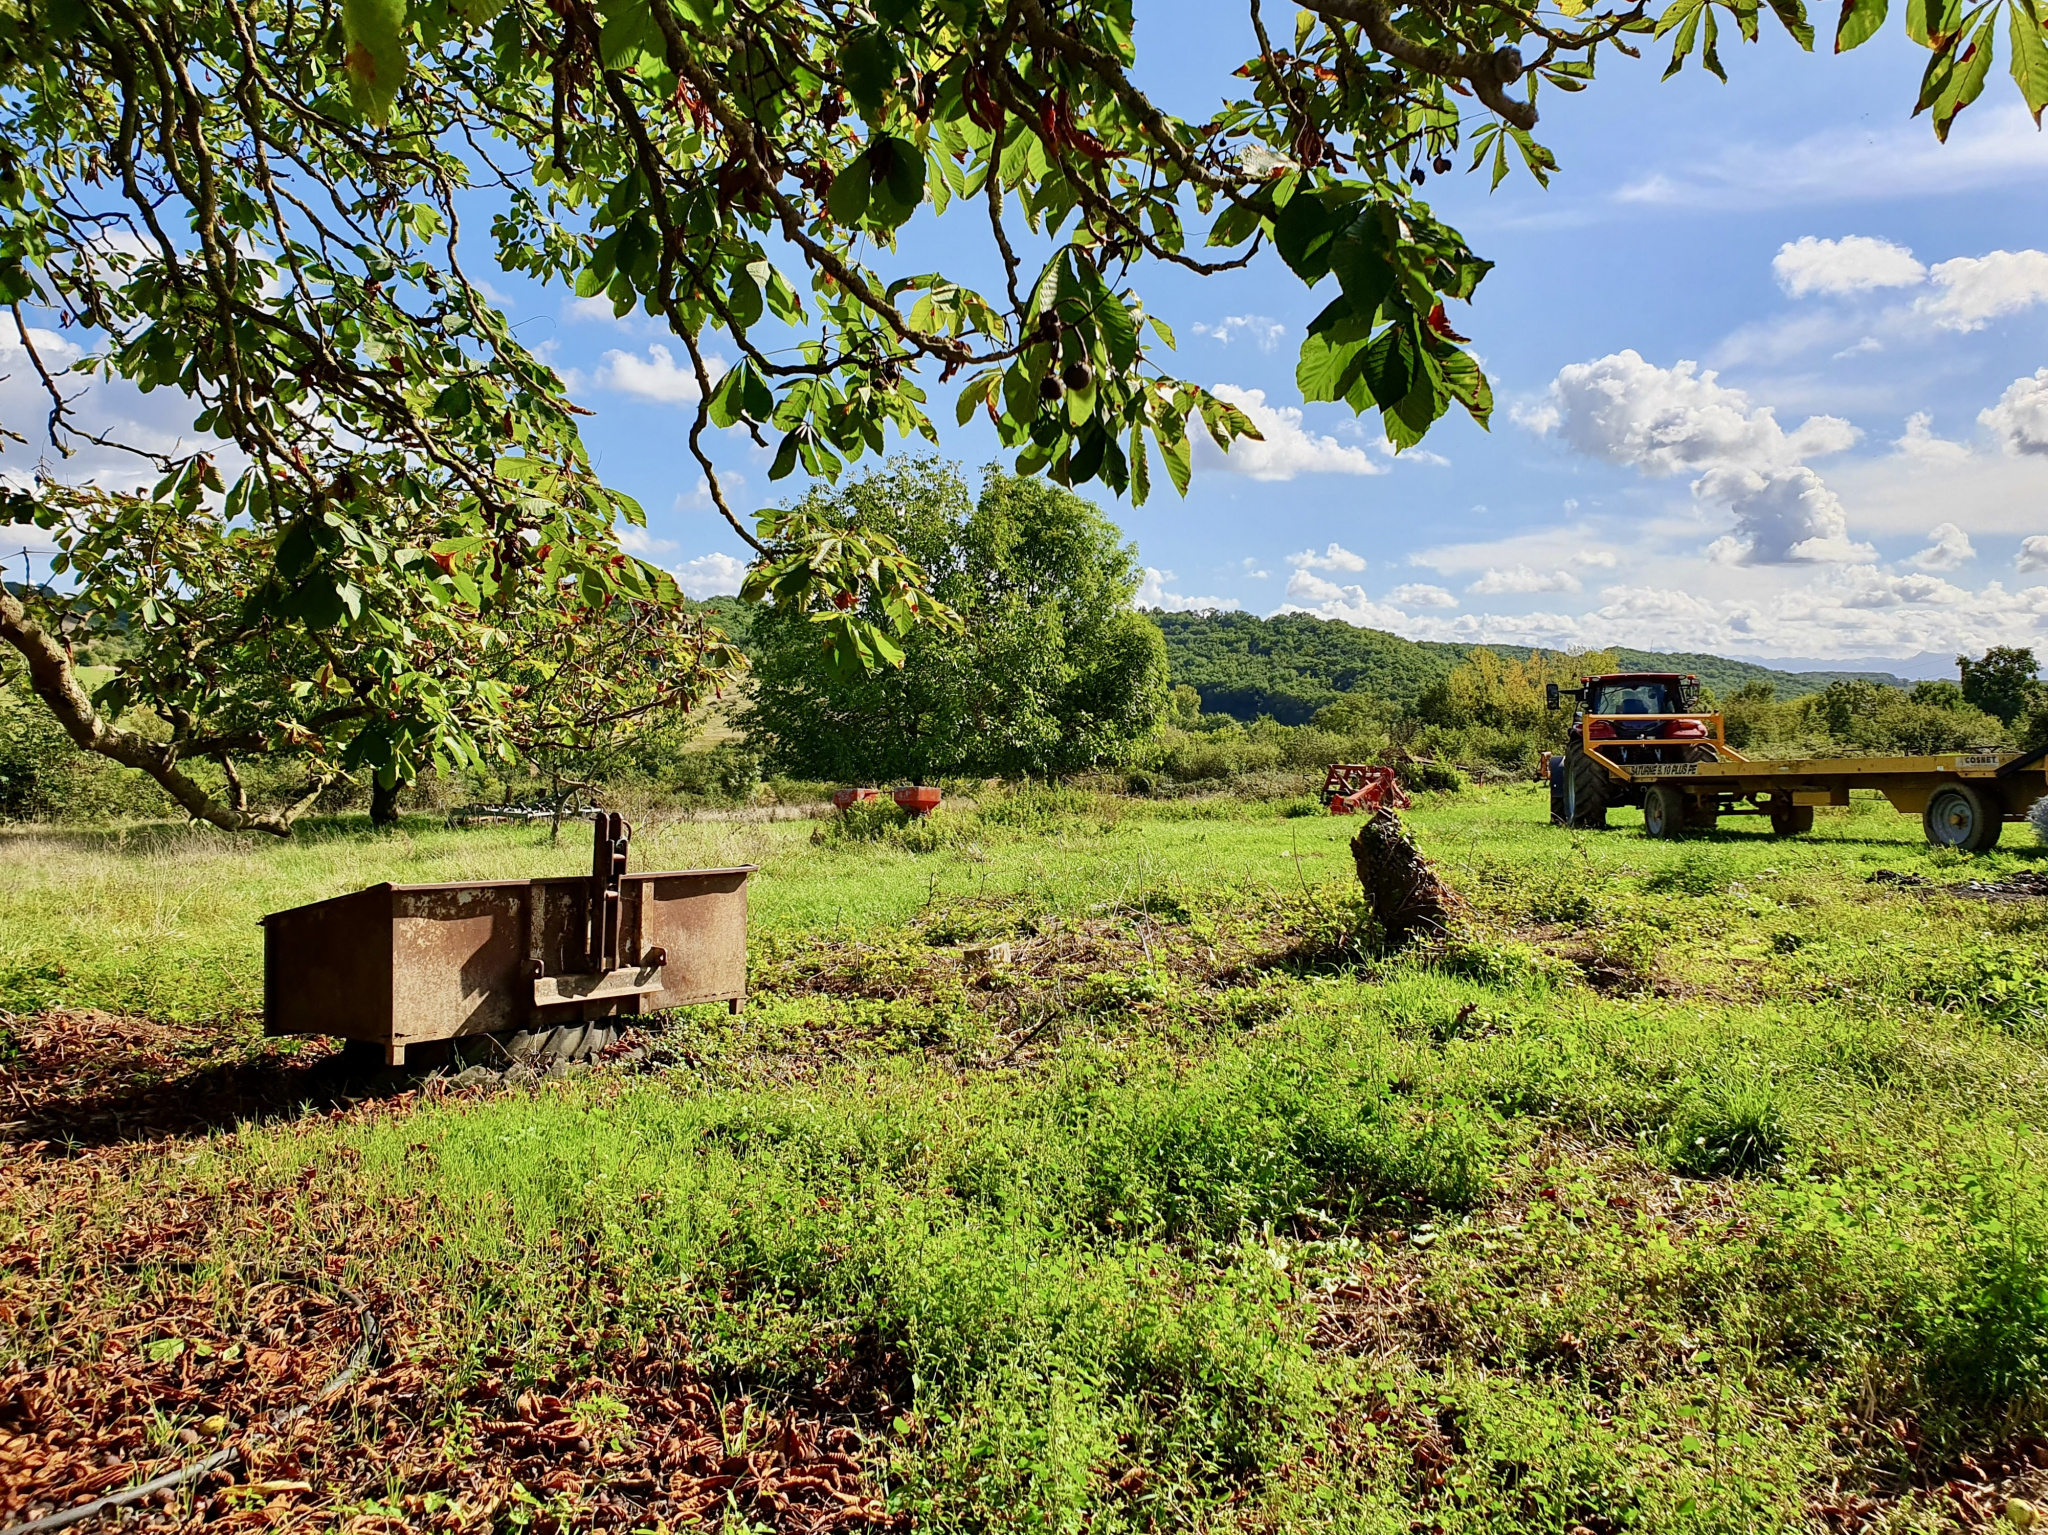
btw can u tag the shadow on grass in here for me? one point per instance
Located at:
(146, 838)
(78, 1080)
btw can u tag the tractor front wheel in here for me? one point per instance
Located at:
(1960, 817)
(1587, 782)
(1663, 813)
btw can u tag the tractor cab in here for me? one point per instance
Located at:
(1659, 707)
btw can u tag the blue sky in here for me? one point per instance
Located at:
(1617, 503)
(1772, 369)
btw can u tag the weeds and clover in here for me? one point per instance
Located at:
(1105, 1171)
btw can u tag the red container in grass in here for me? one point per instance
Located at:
(918, 799)
(845, 797)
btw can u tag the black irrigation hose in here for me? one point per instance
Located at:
(359, 1356)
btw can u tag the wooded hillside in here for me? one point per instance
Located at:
(1291, 665)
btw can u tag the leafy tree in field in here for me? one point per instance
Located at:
(260, 205)
(1510, 696)
(2003, 683)
(1050, 670)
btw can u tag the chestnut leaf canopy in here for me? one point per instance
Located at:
(261, 204)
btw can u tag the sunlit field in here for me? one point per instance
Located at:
(1078, 1163)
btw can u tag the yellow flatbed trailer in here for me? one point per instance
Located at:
(1962, 798)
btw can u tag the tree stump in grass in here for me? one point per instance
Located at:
(1400, 886)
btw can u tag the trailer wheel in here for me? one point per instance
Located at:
(1588, 782)
(1663, 813)
(1791, 820)
(1959, 817)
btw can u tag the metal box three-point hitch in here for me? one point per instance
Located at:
(411, 967)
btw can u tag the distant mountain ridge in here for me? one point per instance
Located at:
(1293, 664)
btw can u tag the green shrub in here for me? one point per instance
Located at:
(1728, 1128)
(1986, 1336)
(2004, 982)
(1698, 872)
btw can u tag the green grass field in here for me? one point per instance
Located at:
(1691, 1186)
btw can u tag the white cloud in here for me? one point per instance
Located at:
(2033, 553)
(1420, 594)
(1596, 559)
(658, 376)
(638, 541)
(1670, 420)
(1310, 593)
(1852, 264)
(1152, 593)
(1948, 547)
(1336, 557)
(731, 481)
(1848, 611)
(1920, 443)
(1520, 578)
(1975, 290)
(1288, 449)
(710, 575)
(1252, 572)
(1263, 331)
(2020, 418)
(156, 422)
(1999, 147)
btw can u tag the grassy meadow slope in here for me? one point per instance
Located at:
(1079, 1167)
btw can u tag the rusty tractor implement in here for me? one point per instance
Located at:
(1641, 738)
(406, 966)
(1352, 788)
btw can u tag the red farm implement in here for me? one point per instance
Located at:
(1352, 788)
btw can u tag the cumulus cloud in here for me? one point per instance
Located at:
(1948, 547)
(1262, 330)
(1336, 557)
(2020, 418)
(119, 412)
(1975, 290)
(710, 575)
(1599, 559)
(1665, 421)
(1853, 264)
(1288, 449)
(1920, 443)
(1153, 593)
(1420, 594)
(2033, 553)
(1853, 163)
(1310, 593)
(1857, 610)
(1521, 578)
(659, 376)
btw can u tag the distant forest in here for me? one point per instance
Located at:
(1291, 665)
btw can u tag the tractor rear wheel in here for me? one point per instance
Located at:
(1587, 781)
(1791, 820)
(1663, 813)
(1960, 817)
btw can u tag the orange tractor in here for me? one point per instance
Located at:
(1647, 739)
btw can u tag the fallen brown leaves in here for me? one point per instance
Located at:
(87, 1078)
(146, 1323)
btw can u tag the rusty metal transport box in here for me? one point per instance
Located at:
(399, 965)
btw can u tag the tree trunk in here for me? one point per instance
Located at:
(384, 802)
(55, 681)
(1403, 890)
